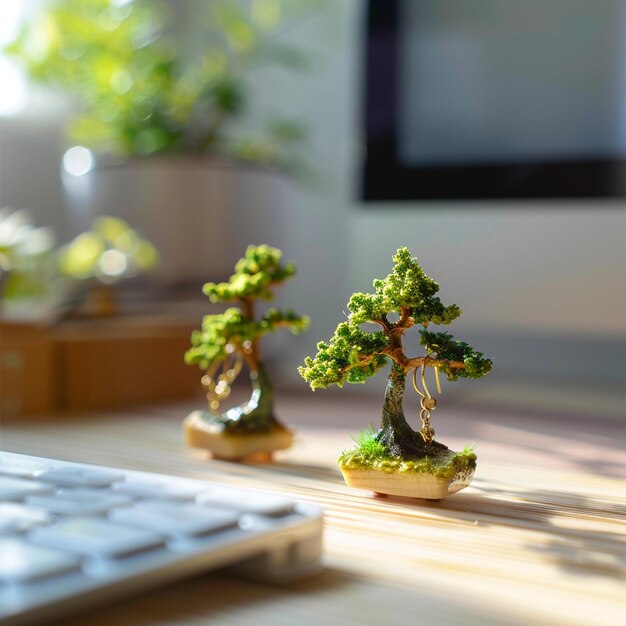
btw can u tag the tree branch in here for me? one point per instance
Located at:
(430, 362)
(384, 323)
(283, 323)
(396, 353)
(247, 307)
(360, 363)
(254, 356)
(405, 363)
(404, 321)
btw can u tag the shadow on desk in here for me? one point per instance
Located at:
(303, 470)
(208, 597)
(333, 597)
(578, 550)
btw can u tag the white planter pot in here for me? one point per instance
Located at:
(199, 213)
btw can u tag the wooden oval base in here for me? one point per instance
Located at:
(408, 484)
(199, 433)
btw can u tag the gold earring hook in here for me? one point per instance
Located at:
(427, 403)
(415, 384)
(437, 379)
(424, 385)
(437, 382)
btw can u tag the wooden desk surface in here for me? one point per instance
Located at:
(539, 538)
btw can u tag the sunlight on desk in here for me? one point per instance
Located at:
(539, 537)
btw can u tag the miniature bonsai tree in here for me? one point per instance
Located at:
(405, 298)
(230, 339)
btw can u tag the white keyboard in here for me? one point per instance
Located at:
(73, 535)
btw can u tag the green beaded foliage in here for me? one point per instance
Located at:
(222, 334)
(442, 346)
(354, 355)
(227, 332)
(408, 287)
(254, 276)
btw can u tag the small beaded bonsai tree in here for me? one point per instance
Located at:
(396, 459)
(229, 340)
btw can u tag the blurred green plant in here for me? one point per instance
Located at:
(144, 91)
(39, 280)
(109, 252)
(25, 253)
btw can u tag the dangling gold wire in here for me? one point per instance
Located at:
(415, 384)
(218, 387)
(424, 385)
(427, 402)
(437, 379)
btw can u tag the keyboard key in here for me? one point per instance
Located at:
(245, 501)
(175, 519)
(80, 477)
(22, 468)
(18, 488)
(22, 562)
(18, 518)
(168, 490)
(95, 537)
(79, 501)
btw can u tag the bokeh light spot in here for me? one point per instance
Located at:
(113, 263)
(78, 160)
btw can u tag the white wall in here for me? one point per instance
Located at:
(523, 268)
(29, 171)
(549, 272)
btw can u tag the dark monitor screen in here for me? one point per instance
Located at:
(495, 99)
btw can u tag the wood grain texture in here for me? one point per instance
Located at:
(538, 538)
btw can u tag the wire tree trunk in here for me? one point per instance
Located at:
(256, 415)
(395, 432)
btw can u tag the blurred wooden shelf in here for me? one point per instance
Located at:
(94, 363)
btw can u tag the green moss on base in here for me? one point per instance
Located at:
(370, 454)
